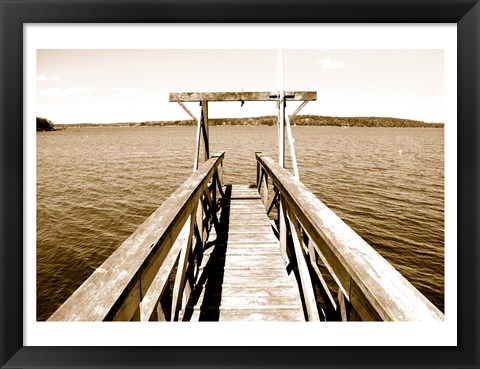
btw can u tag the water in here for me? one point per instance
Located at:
(95, 186)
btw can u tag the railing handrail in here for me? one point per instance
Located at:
(129, 271)
(376, 290)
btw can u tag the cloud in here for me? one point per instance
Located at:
(125, 91)
(60, 92)
(45, 78)
(331, 64)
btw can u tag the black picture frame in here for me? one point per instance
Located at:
(15, 13)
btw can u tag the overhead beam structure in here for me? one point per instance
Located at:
(283, 120)
(241, 96)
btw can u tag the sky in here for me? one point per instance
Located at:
(108, 86)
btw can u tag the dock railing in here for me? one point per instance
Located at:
(368, 287)
(135, 282)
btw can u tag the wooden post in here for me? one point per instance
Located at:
(282, 229)
(200, 224)
(342, 305)
(281, 130)
(206, 142)
(213, 191)
(202, 132)
(292, 148)
(265, 187)
(258, 170)
(281, 152)
(198, 138)
(281, 109)
(305, 279)
(185, 238)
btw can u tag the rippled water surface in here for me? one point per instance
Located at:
(95, 186)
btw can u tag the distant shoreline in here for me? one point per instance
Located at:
(302, 120)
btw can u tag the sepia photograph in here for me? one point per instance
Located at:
(231, 184)
(240, 185)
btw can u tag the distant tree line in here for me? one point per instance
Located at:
(299, 120)
(43, 124)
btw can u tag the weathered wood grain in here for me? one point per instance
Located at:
(185, 238)
(307, 287)
(244, 275)
(240, 96)
(114, 290)
(250, 315)
(359, 268)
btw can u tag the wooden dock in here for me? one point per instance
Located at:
(244, 272)
(211, 253)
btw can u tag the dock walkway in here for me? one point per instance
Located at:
(244, 274)
(209, 252)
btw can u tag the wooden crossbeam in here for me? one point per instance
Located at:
(241, 96)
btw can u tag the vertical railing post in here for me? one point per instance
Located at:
(265, 187)
(213, 191)
(258, 170)
(197, 142)
(292, 148)
(185, 238)
(303, 270)
(206, 138)
(281, 109)
(281, 129)
(282, 228)
(281, 161)
(281, 152)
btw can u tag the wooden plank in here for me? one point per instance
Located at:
(250, 187)
(244, 269)
(245, 196)
(242, 229)
(240, 96)
(236, 248)
(246, 193)
(253, 221)
(251, 238)
(265, 261)
(251, 251)
(250, 227)
(244, 212)
(237, 186)
(253, 274)
(287, 291)
(251, 205)
(248, 302)
(245, 315)
(245, 188)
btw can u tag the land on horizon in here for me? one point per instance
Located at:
(301, 120)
